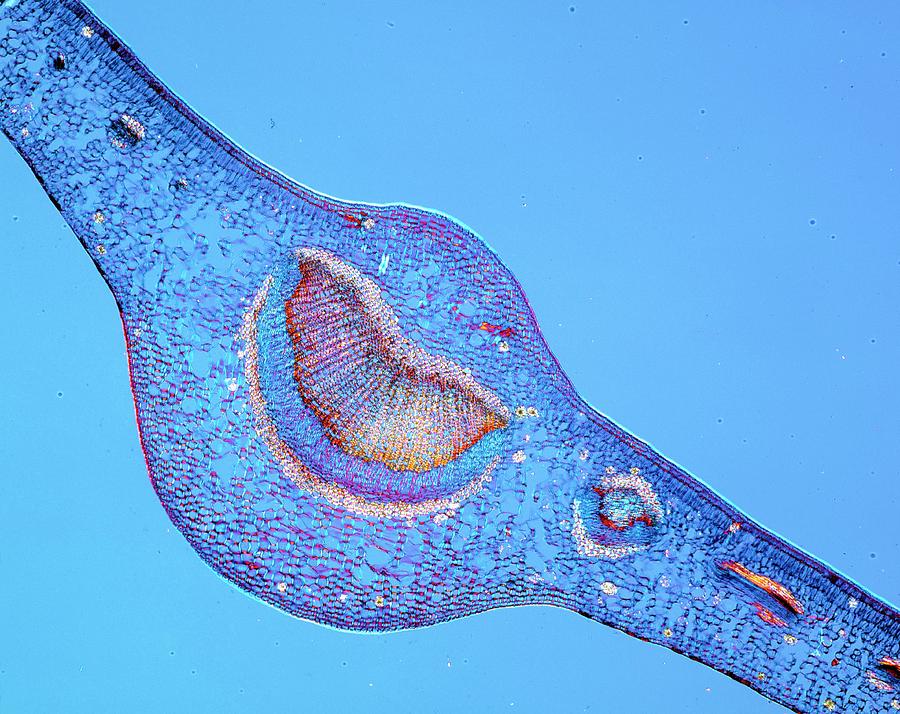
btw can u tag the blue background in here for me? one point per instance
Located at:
(703, 209)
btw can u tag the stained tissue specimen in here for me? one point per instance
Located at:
(361, 414)
(349, 411)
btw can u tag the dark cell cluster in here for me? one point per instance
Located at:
(348, 410)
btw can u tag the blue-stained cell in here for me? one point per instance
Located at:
(348, 410)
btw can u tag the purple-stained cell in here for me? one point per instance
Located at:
(348, 410)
